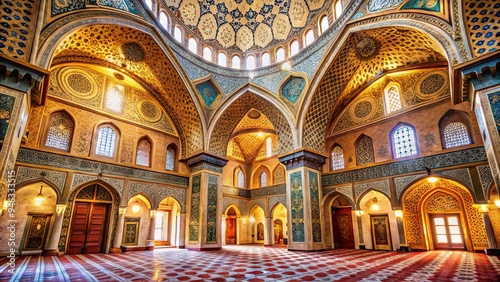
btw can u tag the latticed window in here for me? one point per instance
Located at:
(456, 134)
(60, 131)
(337, 158)
(404, 141)
(143, 153)
(263, 179)
(364, 151)
(170, 159)
(393, 99)
(106, 142)
(241, 179)
(114, 99)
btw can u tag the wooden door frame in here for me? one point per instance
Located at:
(235, 229)
(372, 230)
(432, 235)
(105, 236)
(334, 226)
(26, 230)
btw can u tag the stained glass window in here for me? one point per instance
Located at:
(241, 179)
(263, 179)
(114, 99)
(404, 141)
(60, 131)
(143, 153)
(337, 158)
(456, 134)
(170, 160)
(106, 142)
(364, 151)
(393, 99)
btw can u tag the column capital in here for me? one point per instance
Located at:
(302, 158)
(205, 161)
(27, 78)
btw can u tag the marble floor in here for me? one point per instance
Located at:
(256, 263)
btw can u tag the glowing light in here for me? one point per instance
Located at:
(432, 179)
(359, 212)
(260, 134)
(252, 219)
(122, 210)
(60, 208)
(399, 213)
(39, 198)
(484, 208)
(286, 66)
(135, 208)
(497, 203)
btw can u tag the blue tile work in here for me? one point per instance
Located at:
(18, 22)
(402, 182)
(212, 209)
(466, 156)
(235, 191)
(379, 185)
(485, 177)
(315, 206)
(208, 92)
(428, 5)
(59, 7)
(297, 207)
(268, 191)
(73, 163)
(194, 216)
(461, 174)
(292, 89)
(380, 5)
(494, 99)
(6, 106)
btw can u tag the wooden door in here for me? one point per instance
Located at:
(342, 228)
(381, 232)
(230, 231)
(447, 232)
(96, 229)
(79, 228)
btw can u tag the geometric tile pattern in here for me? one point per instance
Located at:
(484, 176)
(256, 263)
(482, 21)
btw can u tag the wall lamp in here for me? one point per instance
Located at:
(5, 206)
(430, 177)
(39, 198)
(359, 212)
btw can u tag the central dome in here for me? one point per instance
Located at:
(241, 25)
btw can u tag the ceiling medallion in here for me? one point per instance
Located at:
(132, 51)
(254, 114)
(367, 48)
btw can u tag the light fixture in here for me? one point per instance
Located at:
(359, 213)
(5, 206)
(244, 220)
(430, 178)
(136, 208)
(286, 66)
(497, 203)
(260, 134)
(375, 206)
(60, 208)
(252, 219)
(39, 198)
(482, 208)
(399, 213)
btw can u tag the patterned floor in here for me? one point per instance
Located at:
(256, 263)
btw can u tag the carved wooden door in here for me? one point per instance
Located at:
(96, 229)
(342, 228)
(79, 228)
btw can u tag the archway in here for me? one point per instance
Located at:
(231, 226)
(425, 201)
(89, 229)
(136, 222)
(342, 223)
(258, 222)
(167, 223)
(279, 225)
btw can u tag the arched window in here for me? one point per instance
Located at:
(60, 131)
(207, 54)
(455, 135)
(149, 3)
(241, 179)
(337, 157)
(392, 99)
(404, 140)
(250, 62)
(269, 146)
(266, 59)
(364, 150)
(338, 9)
(164, 20)
(193, 45)
(170, 158)
(280, 54)
(263, 179)
(178, 34)
(323, 24)
(114, 98)
(222, 60)
(106, 141)
(294, 47)
(143, 155)
(236, 62)
(309, 37)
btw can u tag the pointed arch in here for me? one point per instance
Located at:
(60, 129)
(455, 129)
(279, 174)
(171, 157)
(364, 150)
(46, 184)
(337, 157)
(144, 151)
(239, 177)
(404, 140)
(143, 197)
(257, 176)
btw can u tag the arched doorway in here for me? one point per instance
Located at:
(280, 224)
(258, 219)
(167, 222)
(231, 230)
(343, 232)
(90, 220)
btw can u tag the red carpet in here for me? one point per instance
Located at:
(255, 263)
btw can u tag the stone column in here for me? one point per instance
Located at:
(181, 229)
(150, 242)
(401, 232)
(52, 248)
(304, 193)
(204, 203)
(26, 86)
(360, 232)
(224, 230)
(119, 231)
(268, 232)
(492, 243)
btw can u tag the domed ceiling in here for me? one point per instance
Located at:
(240, 25)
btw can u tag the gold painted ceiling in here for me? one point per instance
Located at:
(244, 24)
